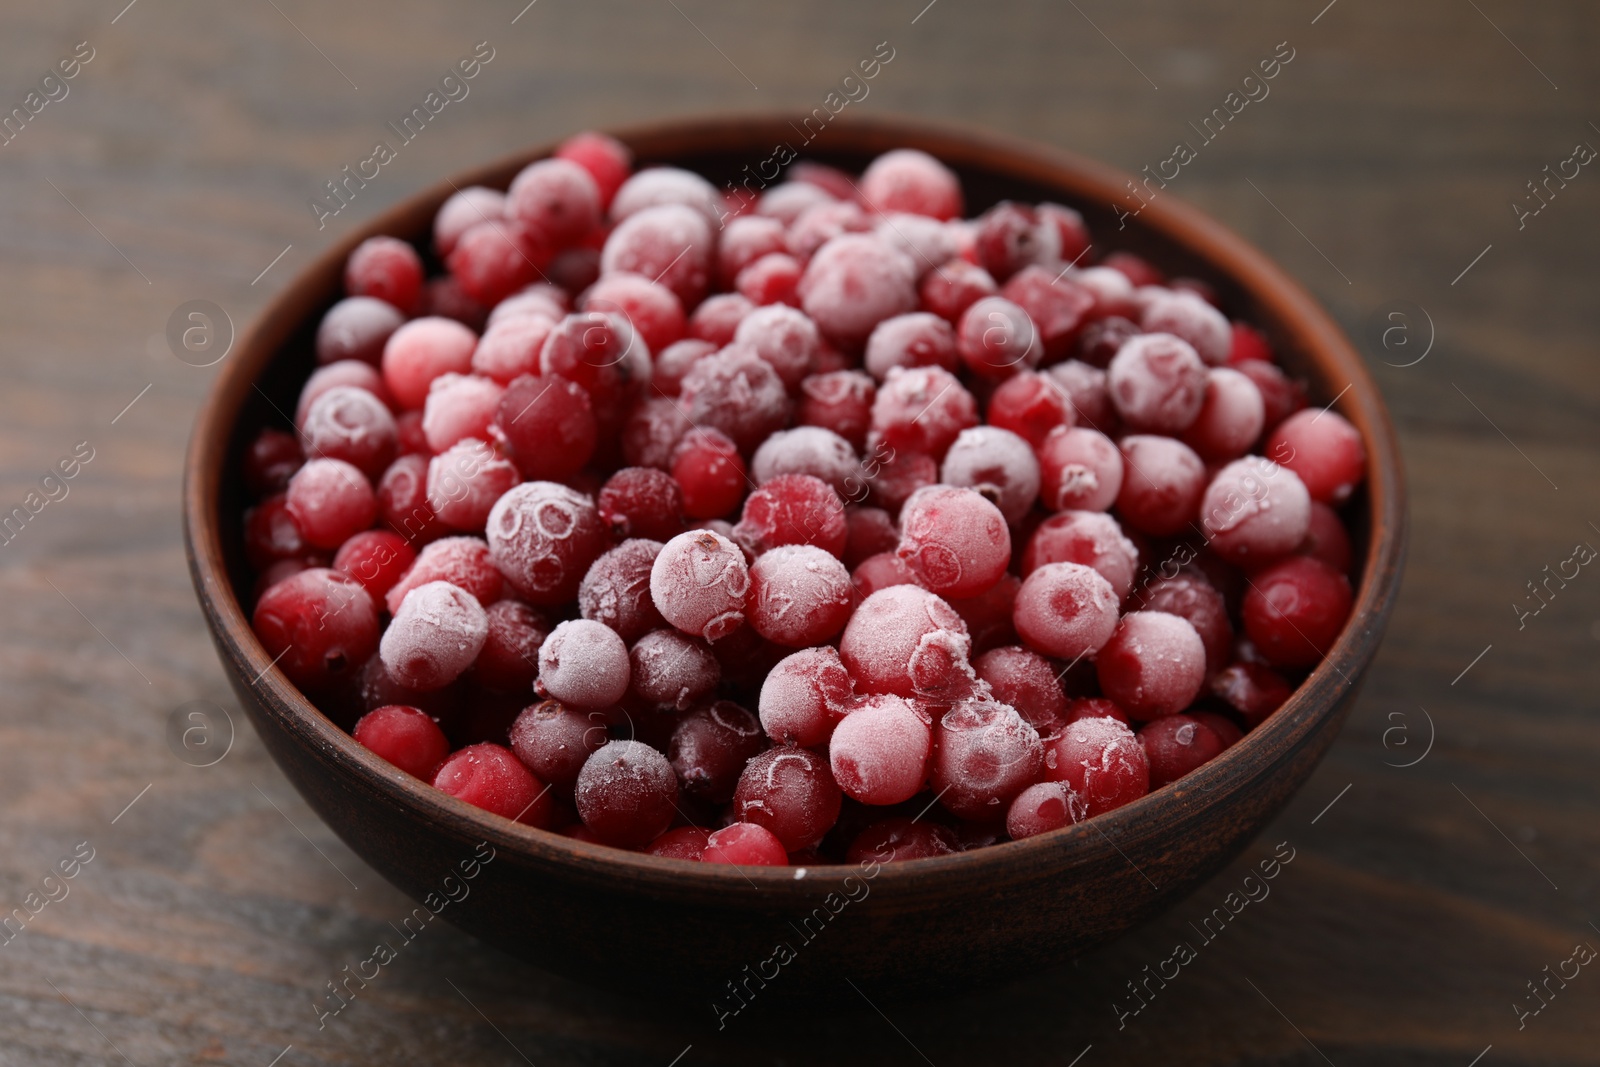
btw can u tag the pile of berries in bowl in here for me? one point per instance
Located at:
(791, 527)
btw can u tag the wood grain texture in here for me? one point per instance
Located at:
(207, 922)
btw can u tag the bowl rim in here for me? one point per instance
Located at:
(1270, 287)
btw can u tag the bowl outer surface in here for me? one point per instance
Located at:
(630, 921)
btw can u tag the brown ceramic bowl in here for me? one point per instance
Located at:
(624, 920)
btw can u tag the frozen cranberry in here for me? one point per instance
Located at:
(669, 243)
(879, 752)
(1176, 745)
(1080, 469)
(409, 438)
(386, 268)
(682, 843)
(887, 631)
(350, 424)
(908, 180)
(808, 450)
(1091, 538)
(444, 297)
(465, 480)
(1042, 807)
(420, 351)
(509, 659)
(1251, 689)
(1102, 339)
(489, 776)
(1198, 601)
(346, 372)
(718, 317)
(925, 241)
(745, 844)
(543, 536)
(954, 540)
(270, 461)
(996, 338)
(737, 392)
(899, 475)
(915, 339)
(1226, 729)
(707, 467)
(1087, 394)
(1096, 708)
(652, 308)
(1248, 342)
(464, 562)
(870, 531)
(854, 282)
(1327, 539)
(553, 740)
(642, 502)
(1026, 681)
(988, 615)
(1070, 228)
(434, 637)
(1230, 418)
(772, 280)
(459, 406)
(922, 409)
(555, 198)
(1188, 316)
(785, 202)
(1324, 450)
(999, 465)
(583, 664)
(1153, 665)
(1102, 761)
(674, 361)
(1112, 292)
(493, 259)
(626, 793)
(792, 509)
(1010, 236)
(1280, 397)
(745, 240)
(1030, 405)
(655, 186)
(949, 290)
(407, 737)
(898, 839)
(799, 595)
(597, 350)
(985, 754)
(1254, 510)
(330, 500)
(272, 533)
(674, 669)
(1157, 383)
(1056, 305)
(616, 589)
(699, 582)
(357, 327)
(1295, 610)
(783, 336)
(463, 210)
(804, 696)
(318, 626)
(376, 559)
(821, 223)
(1162, 484)
(791, 792)
(1066, 610)
(607, 160)
(547, 424)
(710, 747)
(403, 500)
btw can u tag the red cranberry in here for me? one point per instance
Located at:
(385, 268)
(791, 792)
(406, 737)
(746, 844)
(1153, 665)
(554, 741)
(270, 461)
(488, 776)
(1324, 450)
(710, 747)
(1176, 745)
(1295, 610)
(318, 626)
(357, 327)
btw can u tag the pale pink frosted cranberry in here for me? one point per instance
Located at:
(707, 467)
(543, 536)
(626, 794)
(1327, 539)
(899, 475)
(495, 258)
(810, 450)
(1295, 610)
(318, 626)
(985, 753)
(488, 776)
(821, 223)
(386, 268)
(653, 309)
(745, 844)
(1011, 236)
(1254, 510)
(403, 501)
(465, 480)
(419, 352)
(556, 198)
(1103, 763)
(870, 531)
(547, 424)
(996, 338)
(1066, 610)
(330, 500)
(1026, 681)
(1157, 383)
(540, 298)
(879, 752)
(1324, 449)
(1230, 419)
(881, 570)
(792, 509)
(1280, 396)
(909, 180)
(746, 239)
(345, 373)
(674, 361)
(898, 839)
(673, 669)
(1162, 484)
(925, 241)
(459, 406)
(922, 409)
(653, 431)
(1198, 601)
(854, 282)
(510, 346)
(464, 562)
(1188, 316)
(886, 632)
(353, 425)
(799, 595)
(1153, 665)
(671, 244)
(375, 558)
(1111, 289)
(718, 316)
(954, 540)
(999, 465)
(737, 392)
(357, 328)
(658, 186)
(1088, 395)
(1030, 405)
(463, 210)
(616, 589)
(583, 664)
(783, 336)
(915, 339)
(1092, 538)
(509, 659)
(948, 290)
(607, 160)
(1042, 807)
(434, 637)
(709, 748)
(772, 279)
(1080, 469)
(790, 792)
(804, 696)
(554, 741)
(787, 201)
(1054, 303)
(642, 502)
(699, 582)
(1176, 745)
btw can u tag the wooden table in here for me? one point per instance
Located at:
(1380, 170)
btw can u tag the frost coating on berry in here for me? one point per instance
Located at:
(673, 668)
(985, 754)
(916, 339)
(954, 540)
(616, 589)
(543, 536)
(1103, 762)
(1162, 483)
(792, 509)
(655, 186)
(458, 406)
(885, 632)
(799, 595)
(854, 282)
(1188, 316)
(909, 180)
(1157, 382)
(1080, 470)
(436, 634)
(811, 450)
(626, 793)
(783, 336)
(1230, 419)
(922, 409)
(353, 425)
(1091, 538)
(1153, 665)
(464, 562)
(699, 583)
(804, 696)
(879, 753)
(1066, 610)
(998, 464)
(1255, 509)
(670, 243)
(1042, 807)
(584, 663)
(465, 480)
(737, 392)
